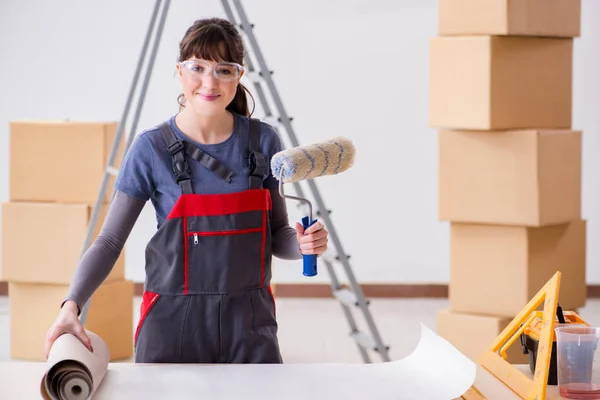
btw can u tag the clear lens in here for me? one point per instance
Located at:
(223, 71)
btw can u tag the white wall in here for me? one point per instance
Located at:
(75, 59)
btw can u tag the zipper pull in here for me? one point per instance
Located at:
(195, 238)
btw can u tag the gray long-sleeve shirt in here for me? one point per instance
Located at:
(146, 174)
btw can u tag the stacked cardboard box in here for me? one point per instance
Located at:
(509, 161)
(55, 173)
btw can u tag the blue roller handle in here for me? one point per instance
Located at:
(310, 260)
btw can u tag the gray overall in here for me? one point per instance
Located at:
(207, 295)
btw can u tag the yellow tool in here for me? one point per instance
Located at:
(529, 321)
(536, 330)
(494, 358)
(473, 394)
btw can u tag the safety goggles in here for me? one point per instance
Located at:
(223, 71)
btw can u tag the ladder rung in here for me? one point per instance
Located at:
(364, 340)
(329, 256)
(254, 76)
(346, 296)
(271, 120)
(113, 171)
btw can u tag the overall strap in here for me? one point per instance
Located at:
(180, 165)
(178, 148)
(258, 164)
(208, 161)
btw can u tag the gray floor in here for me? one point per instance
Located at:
(314, 330)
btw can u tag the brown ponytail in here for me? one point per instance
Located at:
(239, 104)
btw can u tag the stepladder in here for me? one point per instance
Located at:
(350, 295)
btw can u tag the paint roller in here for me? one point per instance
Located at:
(330, 157)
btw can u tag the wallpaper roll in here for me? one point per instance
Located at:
(73, 372)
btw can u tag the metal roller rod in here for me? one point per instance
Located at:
(300, 199)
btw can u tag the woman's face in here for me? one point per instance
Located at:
(209, 86)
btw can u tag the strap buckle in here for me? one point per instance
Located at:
(257, 164)
(182, 170)
(175, 147)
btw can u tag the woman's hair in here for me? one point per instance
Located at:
(216, 39)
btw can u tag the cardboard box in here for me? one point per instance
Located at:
(42, 242)
(34, 307)
(60, 161)
(496, 270)
(552, 18)
(500, 82)
(472, 334)
(527, 178)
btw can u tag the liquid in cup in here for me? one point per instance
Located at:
(577, 361)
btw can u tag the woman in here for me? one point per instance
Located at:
(220, 218)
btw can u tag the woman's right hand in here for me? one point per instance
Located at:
(67, 322)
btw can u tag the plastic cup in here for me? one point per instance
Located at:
(577, 355)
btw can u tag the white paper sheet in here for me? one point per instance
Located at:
(73, 372)
(434, 370)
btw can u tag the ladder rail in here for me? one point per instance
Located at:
(266, 74)
(286, 122)
(121, 127)
(349, 317)
(250, 64)
(343, 259)
(247, 27)
(145, 84)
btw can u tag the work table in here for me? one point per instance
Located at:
(21, 380)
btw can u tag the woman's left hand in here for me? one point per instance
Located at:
(313, 240)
